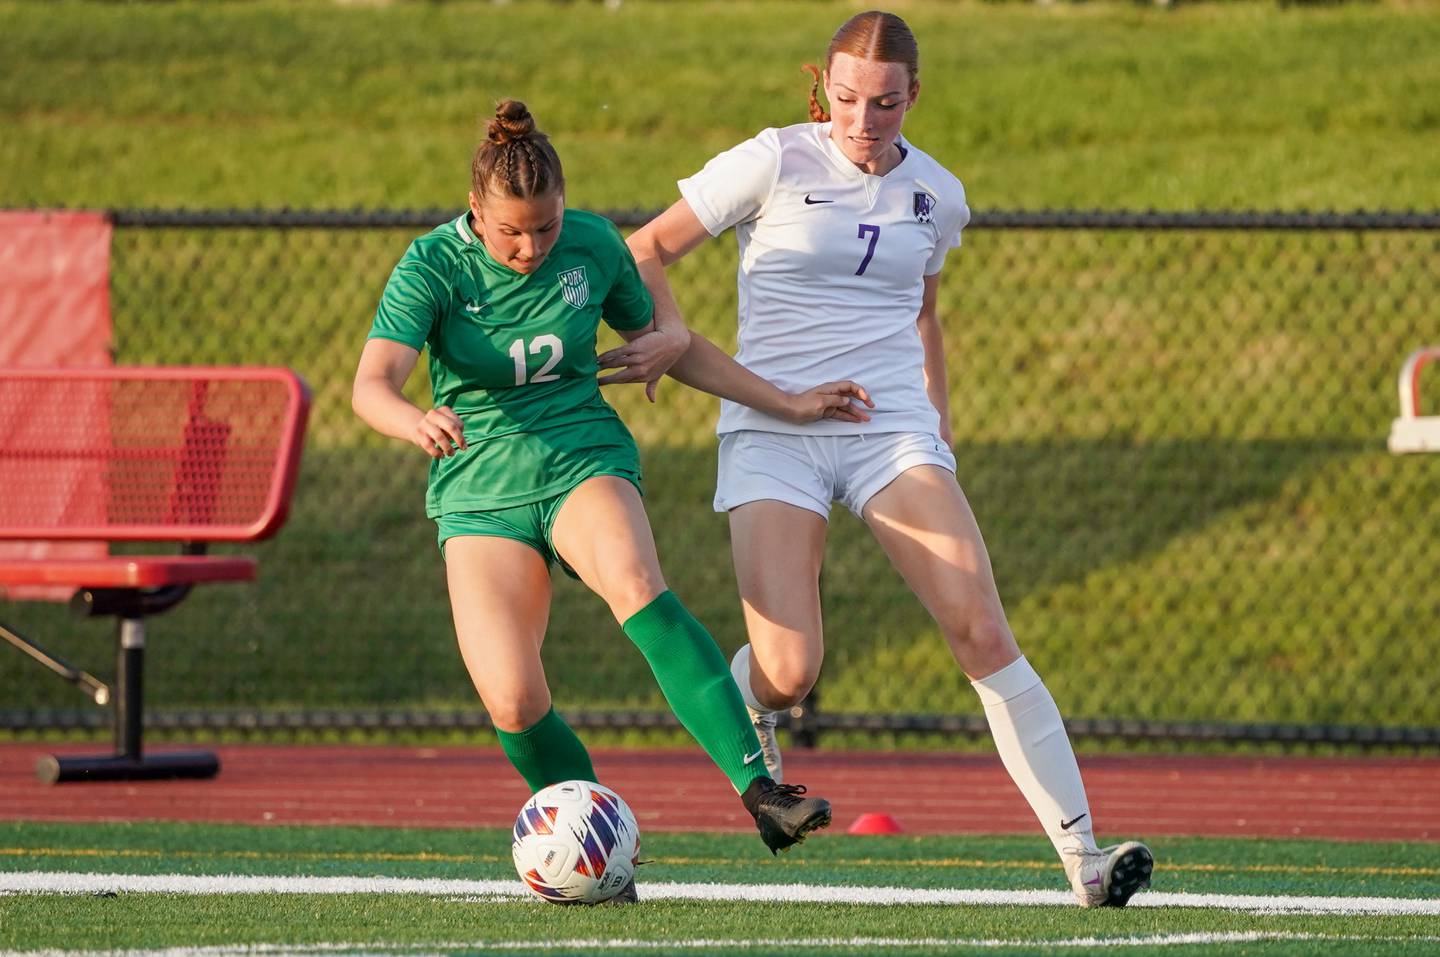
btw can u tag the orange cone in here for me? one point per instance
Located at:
(874, 822)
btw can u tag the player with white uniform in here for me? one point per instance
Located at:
(801, 211)
(843, 227)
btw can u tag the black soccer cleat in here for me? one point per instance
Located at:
(783, 816)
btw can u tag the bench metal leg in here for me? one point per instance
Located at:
(93, 687)
(129, 763)
(172, 764)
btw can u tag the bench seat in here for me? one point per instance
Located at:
(127, 571)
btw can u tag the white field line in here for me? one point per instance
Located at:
(57, 882)
(733, 943)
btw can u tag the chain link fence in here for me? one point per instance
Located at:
(1171, 428)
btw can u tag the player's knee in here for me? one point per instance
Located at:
(786, 684)
(981, 641)
(628, 591)
(517, 713)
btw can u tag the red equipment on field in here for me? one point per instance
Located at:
(140, 454)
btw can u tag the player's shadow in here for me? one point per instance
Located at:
(1051, 512)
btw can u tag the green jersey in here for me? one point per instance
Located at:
(514, 356)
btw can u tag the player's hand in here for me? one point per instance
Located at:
(832, 400)
(440, 433)
(645, 359)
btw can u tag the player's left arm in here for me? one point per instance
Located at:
(933, 340)
(648, 354)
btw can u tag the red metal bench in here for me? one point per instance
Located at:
(139, 454)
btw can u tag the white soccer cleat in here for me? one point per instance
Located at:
(765, 723)
(1110, 876)
(627, 895)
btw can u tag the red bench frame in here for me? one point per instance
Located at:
(190, 455)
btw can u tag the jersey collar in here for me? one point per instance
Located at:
(462, 226)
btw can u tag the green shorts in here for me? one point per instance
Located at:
(530, 524)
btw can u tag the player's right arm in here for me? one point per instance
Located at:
(409, 308)
(655, 246)
(659, 244)
(704, 365)
(378, 399)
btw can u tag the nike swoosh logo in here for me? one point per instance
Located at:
(750, 758)
(1066, 825)
(812, 202)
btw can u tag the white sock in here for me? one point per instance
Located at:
(740, 671)
(1035, 749)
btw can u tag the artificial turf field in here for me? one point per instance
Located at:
(185, 889)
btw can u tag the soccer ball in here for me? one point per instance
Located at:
(575, 843)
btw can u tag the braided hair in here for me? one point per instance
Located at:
(516, 159)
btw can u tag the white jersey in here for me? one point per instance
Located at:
(832, 267)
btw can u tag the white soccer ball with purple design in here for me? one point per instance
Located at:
(575, 843)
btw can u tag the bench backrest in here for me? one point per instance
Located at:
(135, 453)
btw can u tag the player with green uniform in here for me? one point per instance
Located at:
(514, 356)
(530, 465)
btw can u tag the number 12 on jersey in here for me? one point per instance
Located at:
(874, 233)
(547, 341)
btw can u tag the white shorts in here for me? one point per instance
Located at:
(814, 471)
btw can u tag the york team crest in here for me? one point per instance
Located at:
(575, 287)
(924, 207)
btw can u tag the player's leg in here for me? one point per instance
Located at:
(777, 490)
(500, 599)
(777, 548)
(926, 527)
(602, 532)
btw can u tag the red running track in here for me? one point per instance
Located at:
(1380, 799)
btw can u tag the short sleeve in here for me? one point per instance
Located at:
(954, 224)
(412, 302)
(734, 185)
(627, 305)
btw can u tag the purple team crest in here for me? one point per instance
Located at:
(575, 287)
(924, 207)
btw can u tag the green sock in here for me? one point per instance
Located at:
(696, 681)
(547, 753)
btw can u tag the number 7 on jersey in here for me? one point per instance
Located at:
(874, 233)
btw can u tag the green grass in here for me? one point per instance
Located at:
(449, 922)
(321, 105)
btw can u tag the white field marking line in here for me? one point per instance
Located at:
(52, 882)
(873, 943)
